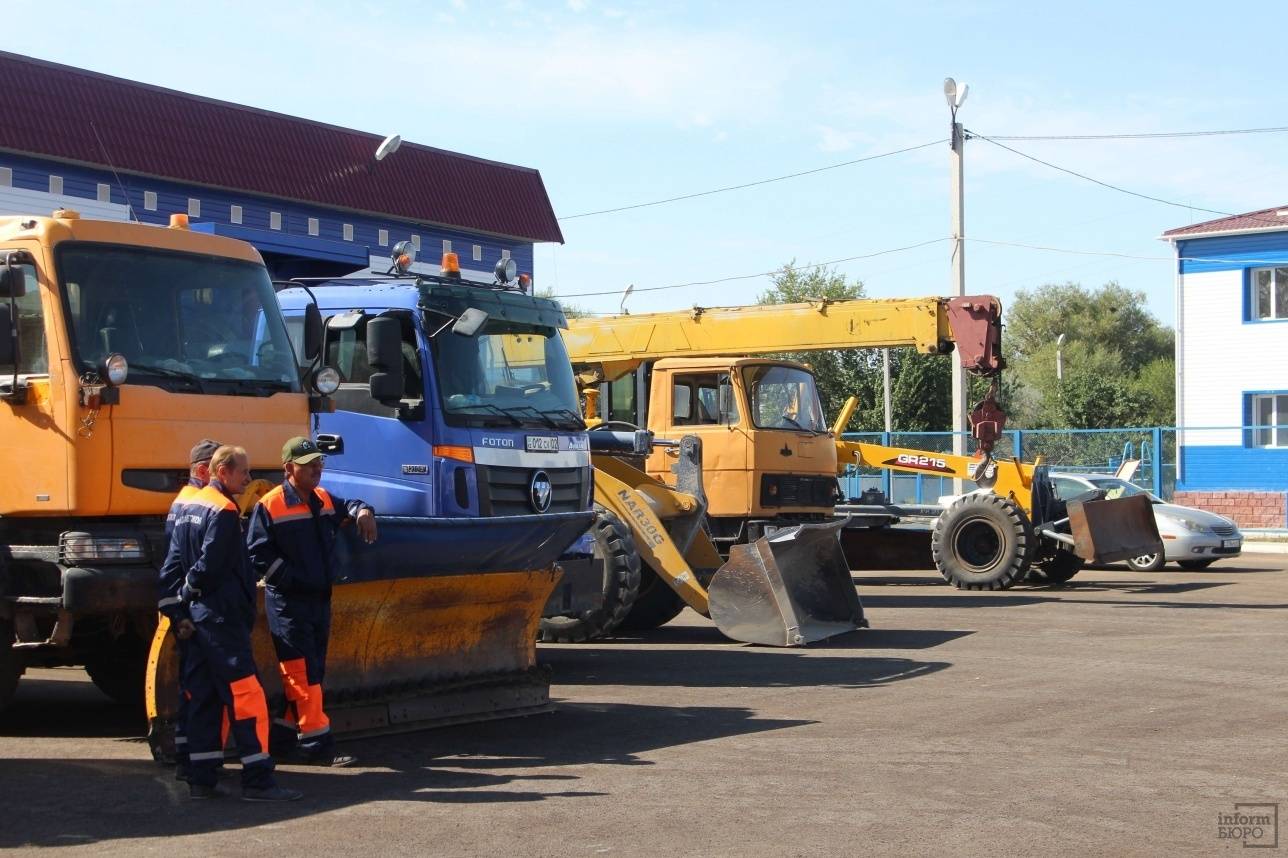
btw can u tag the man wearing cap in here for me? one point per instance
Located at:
(292, 536)
(168, 601)
(218, 591)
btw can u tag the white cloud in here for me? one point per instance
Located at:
(578, 5)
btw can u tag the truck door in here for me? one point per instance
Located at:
(691, 403)
(30, 415)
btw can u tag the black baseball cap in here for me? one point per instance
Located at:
(203, 452)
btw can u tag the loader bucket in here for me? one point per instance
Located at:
(436, 623)
(1108, 530)
(789, 588)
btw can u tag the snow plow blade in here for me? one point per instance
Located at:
(434, 624)
(1105, 531)
(788, 588)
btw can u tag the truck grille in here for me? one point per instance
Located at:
(505, 491)
(792, 490)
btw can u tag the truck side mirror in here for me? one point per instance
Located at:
(8, 342)
(313, 331)
(725, 401)
(384, 354)
(13, 283)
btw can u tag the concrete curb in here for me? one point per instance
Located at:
(1265, 547)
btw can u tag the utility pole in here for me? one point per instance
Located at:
(955, 94)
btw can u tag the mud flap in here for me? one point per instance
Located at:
(1105, 531)
(789, 588)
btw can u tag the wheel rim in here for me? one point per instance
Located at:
(978, 544)
(1145, 559)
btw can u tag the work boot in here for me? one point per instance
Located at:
(323, 758)
(273, 793)
(204, 791)
(183, 774)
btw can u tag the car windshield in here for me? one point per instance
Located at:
(783, 397)
(1116, 488)
(507, 374)
(179, 319)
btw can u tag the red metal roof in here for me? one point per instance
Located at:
(1265, 220)
(53, 111)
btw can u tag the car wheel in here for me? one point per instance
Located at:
(1147, 562)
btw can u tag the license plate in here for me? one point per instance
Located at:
(1229, 543)
(542, 444)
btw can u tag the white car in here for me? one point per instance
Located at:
(1192, 538)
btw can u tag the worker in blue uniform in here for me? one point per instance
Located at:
(168, 601)
(219, 594)
(292, 536)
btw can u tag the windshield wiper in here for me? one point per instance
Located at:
(573, 417)
(514, 421)
(541, 415)
(166, 372)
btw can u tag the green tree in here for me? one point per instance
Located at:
(1117, 359)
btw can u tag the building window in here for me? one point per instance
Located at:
(234, 214)
(447, 245)
(383, 237)
(415, 242)
(104, 192)
(6, 177)
(313, 226)
(1269, 293)
(150, 201)
(274, 220)
(55, 184)
(477, 254)
(194, 207)
(1270, 419)
(348, 232)
(505, 254)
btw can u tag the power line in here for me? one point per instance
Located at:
(760, 274)
(1140, 136)
(755, 183)
(1114, 253)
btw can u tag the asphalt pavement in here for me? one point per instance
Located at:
(1123, 714)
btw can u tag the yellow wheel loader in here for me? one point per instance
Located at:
(121, 346)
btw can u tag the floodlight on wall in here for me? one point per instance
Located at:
(955, 93)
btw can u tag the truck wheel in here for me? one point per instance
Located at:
(615, 550)
(10, 665)
(1056, 570)
(981, 542)
(655, 606)
(1147, 562)
(120, 669)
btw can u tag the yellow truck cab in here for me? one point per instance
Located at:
(767, 452)
(121, 346)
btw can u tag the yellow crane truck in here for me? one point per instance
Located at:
(121, 345)
(770, 457)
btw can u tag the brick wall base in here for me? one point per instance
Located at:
(1248, 509)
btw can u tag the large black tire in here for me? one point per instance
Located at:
(655, 606)
(10, 665)
(1147, 562)
(1056, 570)
(1193, 565)
(982, 542)
(615, 551)
(119, 669)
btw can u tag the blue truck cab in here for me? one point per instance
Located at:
(456, 398)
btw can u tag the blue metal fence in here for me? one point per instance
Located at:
(1101, 451)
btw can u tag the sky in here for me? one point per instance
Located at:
(619, 103)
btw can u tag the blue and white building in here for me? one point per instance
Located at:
(1232, 365)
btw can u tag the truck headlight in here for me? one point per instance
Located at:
(78, 547)
(326, 381)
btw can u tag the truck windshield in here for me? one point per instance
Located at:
(183, 321)
(783, 397)
(506, 375)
